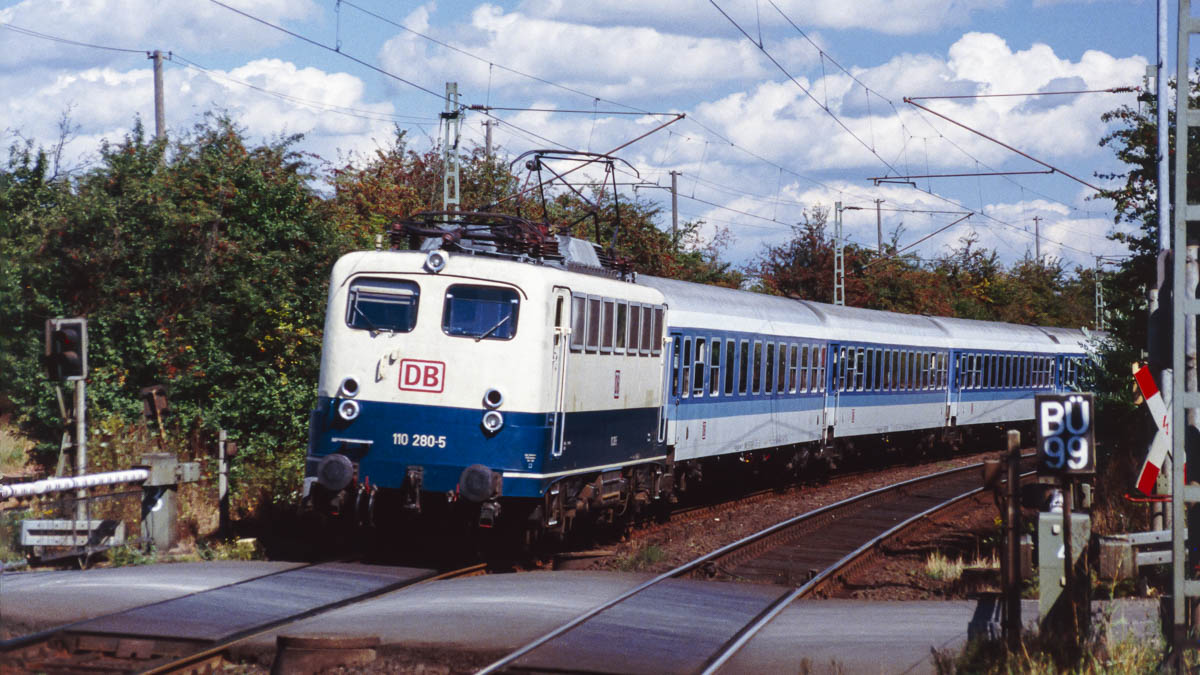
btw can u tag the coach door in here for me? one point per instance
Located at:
(837, 361)
(671, 385)
(953, 391)
(559, 356)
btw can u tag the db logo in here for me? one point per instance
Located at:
(422, 375)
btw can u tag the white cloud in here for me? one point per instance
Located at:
(103, 103)
(193, 27)
(895, 17)
(635, 63)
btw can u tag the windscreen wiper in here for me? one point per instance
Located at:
(493, 328)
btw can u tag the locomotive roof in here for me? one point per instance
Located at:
(713, 307)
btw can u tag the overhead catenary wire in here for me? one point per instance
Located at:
(514, 128)
(335, 50)
(54, 38)
(809, 94)
(858, 81)
(317, 105)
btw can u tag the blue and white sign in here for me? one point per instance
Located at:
(1065, 441)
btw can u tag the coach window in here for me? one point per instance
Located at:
(481, 312)
(382, 305)
(714, 368)
(822, 363)
(793, 352)
(647, 327)
(730, 355)
(635, 330)
(578, 321)
(781, 380)
(860, 369)
(803, 386)
(606, 327)
(621, 328)
(592, 342)
(770, 378)
(838, 376)
(676, 343)
(756, 383)
(698, 368)
(879, 370)
(885, 371)
(743, 366)
(656, 342)
(685, 388)
(941, 370)
(929, 376)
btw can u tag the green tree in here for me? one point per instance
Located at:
(201, 264)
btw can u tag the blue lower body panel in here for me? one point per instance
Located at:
(387, 439)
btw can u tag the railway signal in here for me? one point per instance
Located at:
(66, 348)
(1065, 439)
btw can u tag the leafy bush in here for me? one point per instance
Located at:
(200, 264)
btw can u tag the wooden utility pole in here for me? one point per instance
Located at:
(879, 224)
(160, 115)
(1012, 544)
(675, 209)
(487, 134)
(1037, 238)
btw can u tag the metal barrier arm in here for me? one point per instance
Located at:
(78, 482)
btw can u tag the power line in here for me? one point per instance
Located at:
(317, 105)
(335, 50)
(589, 96)
(54, 38)
(904, 127)
(802, 88)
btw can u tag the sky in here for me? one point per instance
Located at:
(789, 105)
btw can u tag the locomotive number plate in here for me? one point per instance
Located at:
(419, 440)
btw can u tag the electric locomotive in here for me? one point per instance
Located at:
(466, 384)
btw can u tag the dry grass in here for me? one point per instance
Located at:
(941, 568)
(14, 451)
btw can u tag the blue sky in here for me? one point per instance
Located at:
(755, 150)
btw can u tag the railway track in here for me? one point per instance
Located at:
(189, 634)
(675, 623)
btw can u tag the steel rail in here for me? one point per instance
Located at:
(688, 567)
(183, 664)
(783, 602)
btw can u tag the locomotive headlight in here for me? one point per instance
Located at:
(348, 410)
(493, 399)
(348, 388)
(436, 261)
(492, 421)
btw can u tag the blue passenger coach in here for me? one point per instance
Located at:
(749, 372)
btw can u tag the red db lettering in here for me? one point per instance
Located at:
(412, 375)
(417, 375)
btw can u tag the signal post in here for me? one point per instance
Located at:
(66, 361)
(1066, 450)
